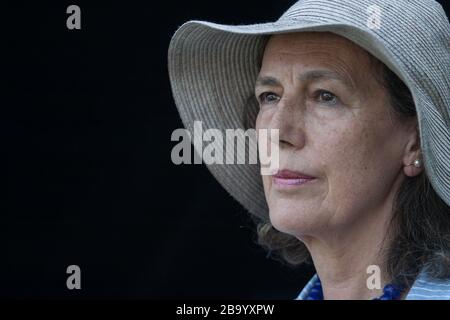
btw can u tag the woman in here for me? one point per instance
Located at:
(359, 92)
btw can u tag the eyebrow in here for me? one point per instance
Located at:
(309, 76)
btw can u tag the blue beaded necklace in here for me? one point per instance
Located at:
(390, 292)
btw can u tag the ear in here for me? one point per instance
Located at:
(413, 153)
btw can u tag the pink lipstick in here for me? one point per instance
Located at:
(288, 178)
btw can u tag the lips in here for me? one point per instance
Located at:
(288, 178)
(288, 174)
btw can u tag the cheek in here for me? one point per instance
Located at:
(345, 152)
(355, 161)
(263, 119)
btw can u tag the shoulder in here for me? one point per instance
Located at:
(426, 288)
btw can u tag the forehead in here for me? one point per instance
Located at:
(312, 49)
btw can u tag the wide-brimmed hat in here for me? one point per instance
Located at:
(213, 69)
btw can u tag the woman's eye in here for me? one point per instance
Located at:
(326, 97)
(268, 97)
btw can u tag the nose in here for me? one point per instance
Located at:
(289, 120)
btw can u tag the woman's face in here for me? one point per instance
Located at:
(335, 124)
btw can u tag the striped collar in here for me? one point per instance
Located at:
(424, 288)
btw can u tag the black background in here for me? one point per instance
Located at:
(86, 118)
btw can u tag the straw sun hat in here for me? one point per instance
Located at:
(213, 68)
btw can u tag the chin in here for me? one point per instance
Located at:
(296, 221)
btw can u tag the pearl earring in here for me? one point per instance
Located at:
(417, 163)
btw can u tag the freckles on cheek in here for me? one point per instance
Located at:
(345, 150)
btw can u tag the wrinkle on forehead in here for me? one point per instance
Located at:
(324, 49)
